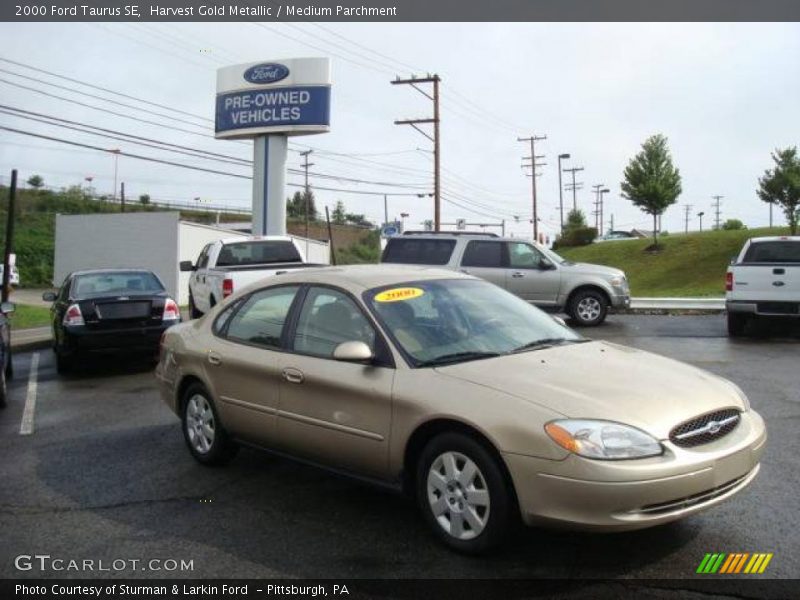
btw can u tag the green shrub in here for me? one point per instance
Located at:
(579, 236)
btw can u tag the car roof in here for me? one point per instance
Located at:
(110, 271)
(457, 236)
(363, 277)
(776, 238)
(255, 238)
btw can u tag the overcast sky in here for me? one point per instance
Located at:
(725, 95)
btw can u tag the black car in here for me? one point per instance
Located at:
(6, 368)
(110, 310)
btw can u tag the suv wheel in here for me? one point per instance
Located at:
(588, 308)
(207, 440)
(737, 324)
(463, 493)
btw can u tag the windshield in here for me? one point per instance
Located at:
(124, 283)
(454, 320)
(258, 253)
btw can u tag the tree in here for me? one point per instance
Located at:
(296, 206)
(144, 199)
(733, 224)
(338, 215)
(357, 219)
(781, 185)
(36, 181)
(575, 220)
(651, 180)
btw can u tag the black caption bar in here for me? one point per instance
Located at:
(401, 10)
(357, 589)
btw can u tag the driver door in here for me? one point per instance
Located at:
(531, 276)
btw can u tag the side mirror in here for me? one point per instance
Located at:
(49, 296)
(187, 265)
(546, 264)
(352, 352)
(7, 307)
(733, 260)
(560, 321)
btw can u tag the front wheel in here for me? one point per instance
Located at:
(463, 493)
(588, 308)
(3, 388)
(208, 442)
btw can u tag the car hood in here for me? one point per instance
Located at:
(601, 380)
(590, 269)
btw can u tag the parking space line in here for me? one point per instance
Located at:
(26, 427)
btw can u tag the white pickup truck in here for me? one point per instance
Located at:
(763, 280)
(230, 264)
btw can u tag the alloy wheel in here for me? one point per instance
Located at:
(200, 425)
(458, 495)
(589, 309)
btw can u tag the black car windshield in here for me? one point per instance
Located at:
(116, 283)
(445, 321)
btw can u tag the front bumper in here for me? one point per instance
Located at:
(140, 339)
(621, 300)
(621, 495)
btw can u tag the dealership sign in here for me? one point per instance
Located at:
(290, 97)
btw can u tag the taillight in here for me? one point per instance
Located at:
(171, 311)
(227, 287)
(729, 282)
(73, 316)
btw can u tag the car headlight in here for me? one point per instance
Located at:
(618, 281)
(604, 440)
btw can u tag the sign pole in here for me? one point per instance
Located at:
(269, 184)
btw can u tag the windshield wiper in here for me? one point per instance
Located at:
(456, 357)
(545, 343)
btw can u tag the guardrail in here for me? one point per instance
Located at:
(711, 304)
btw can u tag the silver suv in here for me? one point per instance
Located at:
(534, 273)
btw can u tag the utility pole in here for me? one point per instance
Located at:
(385, 209)
(413, 82)
(596, 211)
(115, 152)
(611, 223)
(12, 200)
(687, 209)
(561, 190)
(770, 214)
(716, 210)
(122, 197)
(700, 214)
(602, 204)
(574, 185)
(532, 141)
(306, 165)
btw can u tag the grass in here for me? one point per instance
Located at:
(26, 316)
(690, 265)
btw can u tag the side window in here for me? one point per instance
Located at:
(523, 256)
(262, 316)
(483, 254)
(327, 319)
(222, 320)
(63, 293)
(202, 260)
(415, 251)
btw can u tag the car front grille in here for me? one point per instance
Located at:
(706, 428)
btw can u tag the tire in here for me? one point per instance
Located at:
(3, 388)
(64, 364)
(443, 494)
(588, 308)
(737, 324)
(10, 364)
(205, 437)
(193, 312)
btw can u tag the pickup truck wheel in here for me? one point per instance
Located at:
(588, 308)
(737, 324)
(193, 312)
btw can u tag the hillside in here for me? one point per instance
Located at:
(693, 264)
(34, 234)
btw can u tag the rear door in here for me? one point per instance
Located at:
(769, 272)
(530, 276)
(242, 362)
(486, 259)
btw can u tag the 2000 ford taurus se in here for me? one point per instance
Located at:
(444, 385)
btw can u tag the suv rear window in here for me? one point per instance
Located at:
(773, 252)
(410, 251)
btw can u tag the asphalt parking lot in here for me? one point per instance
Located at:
(106, 475)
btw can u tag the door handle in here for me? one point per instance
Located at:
(214, 358)
(517, 274)
(293, 375)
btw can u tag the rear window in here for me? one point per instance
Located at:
(117, 284)
(409, 251)
(257, 253)
(773, 252)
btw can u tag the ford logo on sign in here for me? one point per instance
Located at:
(266, 73)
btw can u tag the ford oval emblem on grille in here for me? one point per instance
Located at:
(713, 427)
(266, 73)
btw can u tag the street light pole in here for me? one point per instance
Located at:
(700, 214)
(561, 190)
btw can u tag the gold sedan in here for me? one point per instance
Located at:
(483, 407)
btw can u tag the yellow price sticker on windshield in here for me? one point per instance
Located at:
(396, 294)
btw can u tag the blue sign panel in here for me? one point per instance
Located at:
(266, 73)
(274, 108)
